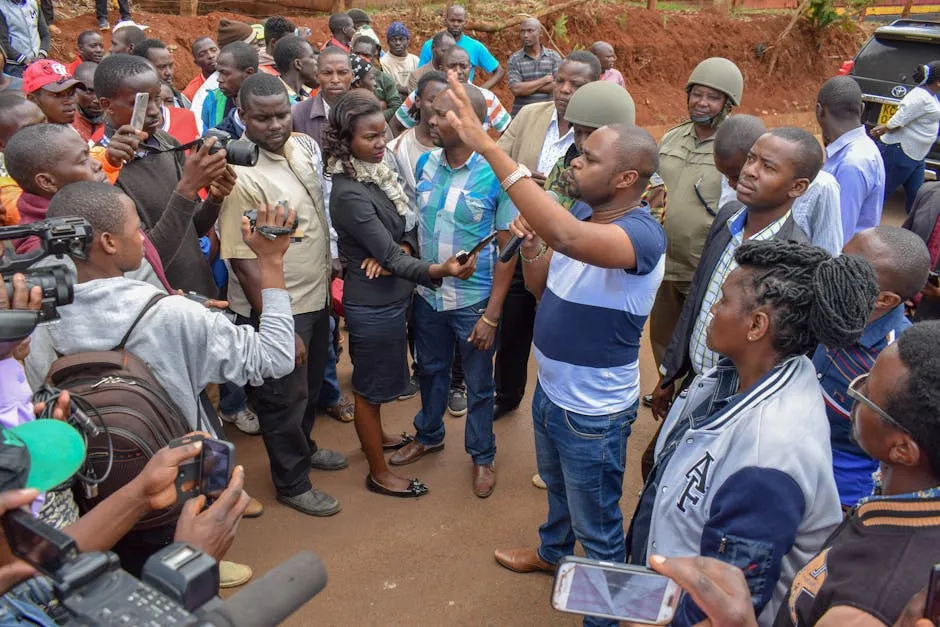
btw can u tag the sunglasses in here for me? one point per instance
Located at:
(855, 392)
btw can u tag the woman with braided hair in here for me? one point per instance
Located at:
(375, 225)
(743, 469)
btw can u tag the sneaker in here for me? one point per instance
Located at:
(411, 390)
(457, 403)
(233, 574)
(103, 25)
(325, 459)
(344, 410)
(244, 420)
(312, 502)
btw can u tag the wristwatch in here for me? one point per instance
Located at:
(517, 175)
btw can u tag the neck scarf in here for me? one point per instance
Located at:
(383, 177)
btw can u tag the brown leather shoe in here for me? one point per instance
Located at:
(412, 452)
(484, 479)
(523, 561)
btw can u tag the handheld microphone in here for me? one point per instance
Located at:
(274, 597)
(512, 247)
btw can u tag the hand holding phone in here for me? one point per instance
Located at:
(464, 255)
(139, 116)
(209, 474)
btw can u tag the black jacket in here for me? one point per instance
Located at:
(368, 225)
(676, 364)
(922, 220)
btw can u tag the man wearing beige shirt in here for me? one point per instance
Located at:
(286, 173)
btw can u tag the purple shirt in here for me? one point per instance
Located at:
(16, 406)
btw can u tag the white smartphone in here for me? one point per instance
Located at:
(615, 591)
(139, 115)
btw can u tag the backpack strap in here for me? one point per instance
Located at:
(153, 301)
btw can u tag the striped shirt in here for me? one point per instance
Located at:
(497, 117)
(458, 207)
(522, 68)
(590, 319)
(701, 356)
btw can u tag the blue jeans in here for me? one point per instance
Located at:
(232, 398)
(435, 333)
(330, 394)
(582, 460)
(902, 170)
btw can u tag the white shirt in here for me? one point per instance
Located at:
(554, 147)
(915, 124)
(211, 82)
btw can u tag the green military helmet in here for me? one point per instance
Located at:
(721, 74)
(600, 103)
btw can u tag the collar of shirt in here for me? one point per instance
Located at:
(738, 221)
(466, 164)
(929, 493)
(542, 52)
(884, 329)
(844, 140)
(690, 132)
(724, 394)
(318, 107)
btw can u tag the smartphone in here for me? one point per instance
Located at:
(932, 610)
(139, 116)
(463, 255)
(216, 463)
(41, 545)
(615, 591)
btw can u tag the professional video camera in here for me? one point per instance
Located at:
(57, 236)
(179, 587)
(237, 151)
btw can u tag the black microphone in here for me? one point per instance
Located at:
(512, 247)
(274, 597)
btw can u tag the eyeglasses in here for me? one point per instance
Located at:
(854, 391)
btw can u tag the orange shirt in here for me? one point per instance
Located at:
(190, 90)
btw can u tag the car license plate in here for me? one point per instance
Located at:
(887, 111)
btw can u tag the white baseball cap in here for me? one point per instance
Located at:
(124, 23)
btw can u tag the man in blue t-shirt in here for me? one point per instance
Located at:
(455, 19)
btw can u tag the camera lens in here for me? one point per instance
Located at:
(241, 152)
(55, 282)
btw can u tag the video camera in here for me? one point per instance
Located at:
(59, 237)
(179, 583)
(237, 151)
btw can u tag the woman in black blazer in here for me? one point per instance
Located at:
(374, 221)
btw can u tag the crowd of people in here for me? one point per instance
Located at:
(797, 459)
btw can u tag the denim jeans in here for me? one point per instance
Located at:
(581, 459)
(435, 333)
(902, 170)
(232, 398)
(330, 393)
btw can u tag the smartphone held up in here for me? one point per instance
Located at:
(209, 473)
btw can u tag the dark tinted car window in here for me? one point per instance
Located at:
(893, 60)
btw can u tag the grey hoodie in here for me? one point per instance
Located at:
(185, 345)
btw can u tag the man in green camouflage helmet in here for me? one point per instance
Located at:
(687, 165)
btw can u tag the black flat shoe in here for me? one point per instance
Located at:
(415, 488)
(405, 439)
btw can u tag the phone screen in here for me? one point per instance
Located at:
(216, 467)
(613, 592)
(46, 554)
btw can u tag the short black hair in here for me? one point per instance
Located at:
(915, 401)
(24, 162)
(430, 77)
(244, 55)
(85, 35)
(926, 74)
(132, 35)
(82, 68)
(637, 150)
(97, 202)
(365, 38)
(842, 98)
(338, 21)
(809, 158)
(115, 69)
(903, 261)
(737, 134)
(439, 37)
(278, 26)
(287, 49)
(260, 84)
(358, 15)
(587, 58)
(334, 51)
(813, 298)
(197, 41)
(146, 46)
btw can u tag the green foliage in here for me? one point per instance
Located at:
(822, 13)
(560, 28)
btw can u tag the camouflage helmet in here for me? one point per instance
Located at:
(600, 103)
(721, 74)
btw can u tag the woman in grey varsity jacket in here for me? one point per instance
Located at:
(743, 468)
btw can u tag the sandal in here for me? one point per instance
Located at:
(344, 411)
(406, 438)
(415, 488)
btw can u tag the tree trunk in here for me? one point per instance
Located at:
(907, 8)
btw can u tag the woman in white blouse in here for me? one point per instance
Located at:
(909, 134)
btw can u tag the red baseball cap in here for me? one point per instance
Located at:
(47, 74)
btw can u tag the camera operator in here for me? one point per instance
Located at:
(162, 183)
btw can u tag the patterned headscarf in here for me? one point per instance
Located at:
(360, 68)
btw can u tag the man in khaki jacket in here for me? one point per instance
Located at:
(537, 137)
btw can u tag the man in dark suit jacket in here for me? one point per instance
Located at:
(334, 73)
(777, 170)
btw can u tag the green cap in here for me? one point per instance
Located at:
(40, 454)
(601, 103)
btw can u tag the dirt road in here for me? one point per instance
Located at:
(427, 561)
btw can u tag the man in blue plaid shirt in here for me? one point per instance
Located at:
(460, 202)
